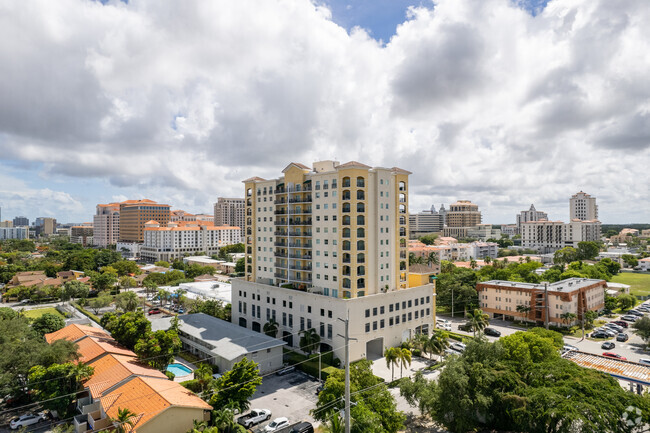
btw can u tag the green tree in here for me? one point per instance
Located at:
(309, 341)
(55, 386)
(104, 280)
(7, 313)
(125, 268)
(404, 357)
(477, 320)
(237, 385)
(446, 267)
(48, 323)
(612, 267)
(127, 301)
(128, 328)
(589, 318)
(611, 303)
(391, 356)
(428, 239)
(433, 259)
(630, 261)
(588, 250)
(642, 328)
(158, 348)
(625, 302)
(162, 264)
(271, 328)
(334, 423)
(437, 344)
(415, 260)
(124, 417)
(203, 375)
(523, 310)
(565, 255)
(127, 282)
(240, 266)
(101, 301)
(105, 258)
(568, 317)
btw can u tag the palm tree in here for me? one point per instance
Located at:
(203, 375)
(432, 258)
(334, 424)
(271, 328)
(309, 340)
(419, 341)
(568, 317)
(438, 342)
(415, 260)
(391, 356)
(404, 357)
(198, 427)
(124, 417)
(524, 310)
(487, 260)
(472, 263)
(477, 320)
(224, 419)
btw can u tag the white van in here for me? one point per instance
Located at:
(644, 361)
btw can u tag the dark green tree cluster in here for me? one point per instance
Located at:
(521, 383)
(373, 407)
(56, 385)
(211, 307)
(225, 252)
(171, 278)
(503, 242)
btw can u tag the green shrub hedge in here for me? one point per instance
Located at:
(85, 312)
(193, 385)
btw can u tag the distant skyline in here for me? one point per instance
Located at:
(501, 102)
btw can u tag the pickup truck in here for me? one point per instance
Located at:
(255, 416)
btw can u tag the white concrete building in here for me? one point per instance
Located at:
(581, 231)
(106, 225)
(543, 236)
(14, 233)
(428, 221)
(483, 232)
(529, 215)
(644, 264)
(185, 237)
(583, 207)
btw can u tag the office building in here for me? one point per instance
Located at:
(531, 214)
(583, 207)
(463, 213)
(331, 242)
(45, 226)
(14, 233)
(6, 224)
(543, 236)
(574, 295)
(578, 231)
(483, 232)
(185, 237)
(21, 221)
(82, 234)
(106, 225)
(230, 212)
(427, 221)
(135, 213)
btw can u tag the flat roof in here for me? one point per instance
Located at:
(228, 340)
(626, 370)
(563, 286)
(202, 259)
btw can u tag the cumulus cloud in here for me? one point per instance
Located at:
(478, 98)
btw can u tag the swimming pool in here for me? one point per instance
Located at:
(178, 369)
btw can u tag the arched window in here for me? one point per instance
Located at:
(346, 194)
(361, 270)
(402, 219)
(346, 220)
(249, 250)
(249, 192)
(361, 258)
(346, 182)
(361, 283)
(402, 265)
(402, 243)
(402, 198)
(345, 270)
(250, 269)
(402, 208)
(361, 245)
(402, 231)
(249, 202)
(346, 295)
(249, 231)
(361, 195)
(361, 232)
(361, 220)
(402, 186)
(249, 221)
(361, 207)
(346, 207)
(249, 211)
(361, 182)
(346, 245)
(346, 258)
(346, 232)
(346, 283)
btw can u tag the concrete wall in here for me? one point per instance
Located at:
(173, 419)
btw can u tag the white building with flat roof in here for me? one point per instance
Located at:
(583, 207)
(14, 233)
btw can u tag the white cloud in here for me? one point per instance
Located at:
(478, 98)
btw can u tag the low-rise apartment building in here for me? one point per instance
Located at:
(574, 295)
(82, 235)
(543, 236)
(14, 233)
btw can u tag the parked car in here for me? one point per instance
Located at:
(613, 326)
(277, 424)
(621, 323)
(492, 332)
(285, 370)
(614, 355)
(607, 345)
(303, 427)
(568, 347)
(319, 388)
(27, 420)
(181, 310)
(599, 334)
(255, 417)
(644, 361)
(629, 318)
(636, 313)
(458, 347)
(154, 310)
(622, 337)
(609, 332)
(449, 351)
(443, 326)
(467, 327)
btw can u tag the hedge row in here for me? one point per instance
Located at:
(85, 312)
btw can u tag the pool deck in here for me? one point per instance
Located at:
(189, 365)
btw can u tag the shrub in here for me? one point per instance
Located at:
(193, 385)
(170, 375)
(86, 313)
(416, 352)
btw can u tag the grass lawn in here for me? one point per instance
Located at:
(38, 312)
(640, 283)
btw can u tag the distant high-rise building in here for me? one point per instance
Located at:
(529, 215)
(463, 213)
(7, 223)
(230, 212)
(443, 214)
(583, 207)
(45, 226)
(134, 214)
(14, 233)
(428, 221)
(82, 234)
(106, 225)
(21, 221)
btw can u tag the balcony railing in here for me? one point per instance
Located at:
(298, 256)
(279, 254)
(280, 265)
(280, 275)
(302, 279)
(300, 200)
(300, 212)
(280, 212)
(280, 233)
(280, 244)
(280, 223)
(298, 222)
(304, 234)
(303, 246)
(300, 268)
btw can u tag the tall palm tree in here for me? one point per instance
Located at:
(472, 263)
(271, 328)
(524, 310)
(334, 424)
(203, 375)
(487, 260)
(224, 419)
(392, 359)
(568, 317)
(309, 341)
(432, 258)
(438, 342)
(419, 341)
(478, 320)
(124, 417)
(404, 357)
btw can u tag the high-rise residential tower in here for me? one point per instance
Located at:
(230, 212)
(106, 225)
(583, 207)
(21, 221)
(529, 215)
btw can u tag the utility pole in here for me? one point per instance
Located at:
(546, 303)
(452, 302)
(347, 369)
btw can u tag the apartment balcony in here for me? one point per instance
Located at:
(304, 234)
(280, 265)
(280, 244)
(280, 223)
(281, 275)
(302, 279)
(280, 254)
(300, 212)
(298, 256)
(303, 246)
(280, 201)
(300, 200)
(280, 212)
(300, 222)
(300, 268)
(281, 233)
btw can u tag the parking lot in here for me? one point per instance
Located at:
(292, 395)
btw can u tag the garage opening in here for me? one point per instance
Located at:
(242, 322)
(375, 349)
(288, 338)
(256, 327)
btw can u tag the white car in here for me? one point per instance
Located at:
(443, 326)
(277, 424)
(27, 420)
(458, 347)
(644, 361)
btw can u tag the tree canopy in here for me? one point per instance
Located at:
(128, 328)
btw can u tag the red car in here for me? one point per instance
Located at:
(614, 355)
(154, 311)
(620, 323)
